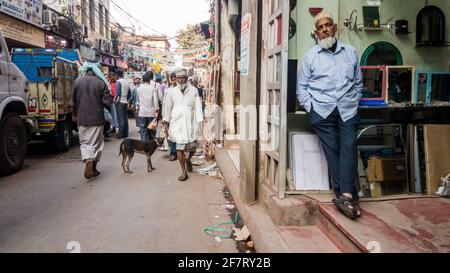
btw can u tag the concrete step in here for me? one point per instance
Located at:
(298, 223)
(367, 234)
(337, 235)
(307, 239)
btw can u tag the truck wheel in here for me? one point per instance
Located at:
(63, 138)
(13, 144)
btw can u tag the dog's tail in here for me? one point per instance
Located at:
(121, 149)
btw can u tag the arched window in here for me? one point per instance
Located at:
(430, 27)
(382, 53)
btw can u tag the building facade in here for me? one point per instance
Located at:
(86, 23)
(265, 50)
(21, 23)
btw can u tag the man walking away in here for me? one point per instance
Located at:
(123, 93)
(330, 85)
(147, 104)
(183, 116)
(200, 93)
(89, 98)
(112, 85)
(133, 100)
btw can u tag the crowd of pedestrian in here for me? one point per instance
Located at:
(169, 107)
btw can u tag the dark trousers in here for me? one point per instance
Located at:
(106, 128)
(173, 148)
(146, 134)
(339, 142)
(137, 118)
(122, 118)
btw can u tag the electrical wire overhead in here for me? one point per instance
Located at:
(140, 22)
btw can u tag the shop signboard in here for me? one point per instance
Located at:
(121, 64)
(87, 53)
(29, 11)
(245, 43)
(107, 60)
(130, 74)
(22, 32)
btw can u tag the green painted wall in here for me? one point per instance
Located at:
(428, 58)
(305, 25)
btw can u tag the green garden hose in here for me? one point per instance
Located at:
(220, 232)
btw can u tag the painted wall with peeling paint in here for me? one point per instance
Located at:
(227, 49)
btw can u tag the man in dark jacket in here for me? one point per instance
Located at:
(89, 97)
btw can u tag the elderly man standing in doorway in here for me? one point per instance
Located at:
(329, 88)
(183, 115)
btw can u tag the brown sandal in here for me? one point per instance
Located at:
(189, 166)
(183, 177)
(347, 207)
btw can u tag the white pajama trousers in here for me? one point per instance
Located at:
(91, 142)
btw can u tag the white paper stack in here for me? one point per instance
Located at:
(308, 163)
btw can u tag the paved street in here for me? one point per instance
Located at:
(49, 204)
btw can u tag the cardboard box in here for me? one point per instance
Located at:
(379, 189)
(384, 169)
(375, 189)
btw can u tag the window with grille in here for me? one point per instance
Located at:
(107, 30)
(101, 22)
(84, 14)
(92, 15)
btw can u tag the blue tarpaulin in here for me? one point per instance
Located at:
(36, 63)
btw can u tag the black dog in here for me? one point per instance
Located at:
(129, 146)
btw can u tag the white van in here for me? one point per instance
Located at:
(15, 128)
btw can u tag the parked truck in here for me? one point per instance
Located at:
(15, 126)
(51, 74)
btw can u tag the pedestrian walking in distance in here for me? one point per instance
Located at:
(183, 116)
(112, 85)
(147, 105)
(123, 94)
(329, 88)
(89, 98)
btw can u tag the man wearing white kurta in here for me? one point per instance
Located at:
(183, 114)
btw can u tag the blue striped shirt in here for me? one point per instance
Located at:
(327, 80)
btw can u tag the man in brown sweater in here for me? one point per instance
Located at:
(89, 97)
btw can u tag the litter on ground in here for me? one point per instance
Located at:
(211, 170)
(198, 163)
(241, 234)
(229, 206)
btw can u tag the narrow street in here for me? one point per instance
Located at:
(315, 126)
(49, 204)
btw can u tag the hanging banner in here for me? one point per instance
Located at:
(245, 43)
(190, 51)
(135, 51)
